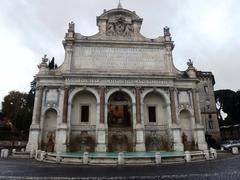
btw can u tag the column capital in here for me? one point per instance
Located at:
(39, 88)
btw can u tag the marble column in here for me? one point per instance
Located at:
(176, 129)
(101, 129)
(102, 104)
(138, 105)
(62, 129)
(35, 127)
(195, 106)
(65, 104)
(140, 145)
(173, 106)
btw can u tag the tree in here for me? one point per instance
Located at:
(229, 102)
(18, 108)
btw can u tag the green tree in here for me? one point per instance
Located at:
(17, 107)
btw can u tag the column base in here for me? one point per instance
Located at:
(140, 147)
(201, 142)
(177, 141)
(33, 138)
(101, 138)
(101, 148)
(61, 138)
(202, 146)
(178, 146)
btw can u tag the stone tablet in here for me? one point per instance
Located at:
(118, 59)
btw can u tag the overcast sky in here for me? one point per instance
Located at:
(207, 31)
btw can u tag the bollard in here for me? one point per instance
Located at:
(13, 151)
(4, 153)
(1, 155)
(213, 153)
(37, 154)
(32, 153)
(85, 158)
(158, 158)
(58, 157)
(42, 155)
(222, 148)
(36, 151)
(235, 150)
(121, 158)
(206, 154)
(187, 156)
(22, 150)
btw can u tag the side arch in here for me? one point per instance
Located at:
(110, 92)
(49, 130)
(77, 90)
(187, 130)
(161, 93)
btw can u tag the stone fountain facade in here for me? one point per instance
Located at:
(118, 91)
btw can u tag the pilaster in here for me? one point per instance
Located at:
(65, 104)
(173, 106)
(101, 129)
(140, 145)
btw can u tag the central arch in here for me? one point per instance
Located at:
(120, 121)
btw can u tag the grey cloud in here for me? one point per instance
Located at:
(41, 25)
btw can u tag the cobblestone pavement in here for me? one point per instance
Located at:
(222, 169)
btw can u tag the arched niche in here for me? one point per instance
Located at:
(155, 109)
(185, 118)
(84, 108)
(49, 130)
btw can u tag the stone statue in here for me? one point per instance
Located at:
(71, 26)
(166, 31)
(128, 30)
(110, 29)
(190, 63)
(45, 59)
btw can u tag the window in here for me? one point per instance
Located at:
(210, 124)
(206, 89)
(84, 113)
(152, 113)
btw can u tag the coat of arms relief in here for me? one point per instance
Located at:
(119, 27)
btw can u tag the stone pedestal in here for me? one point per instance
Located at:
(101, 138)
(61, 138)
(177, 138)
(187, 156)
(85, 157)
(58, 157)
(158, 158)
(32, 153)
(140, 145)
(120, 158)
(42, 155)
(33, 138)
(206, 154)
(202, 145)
(235, 150)
(213, 153)
(4, 153)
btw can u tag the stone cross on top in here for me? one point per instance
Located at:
(119, 4)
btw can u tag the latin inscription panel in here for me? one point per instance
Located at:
(111, 58)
